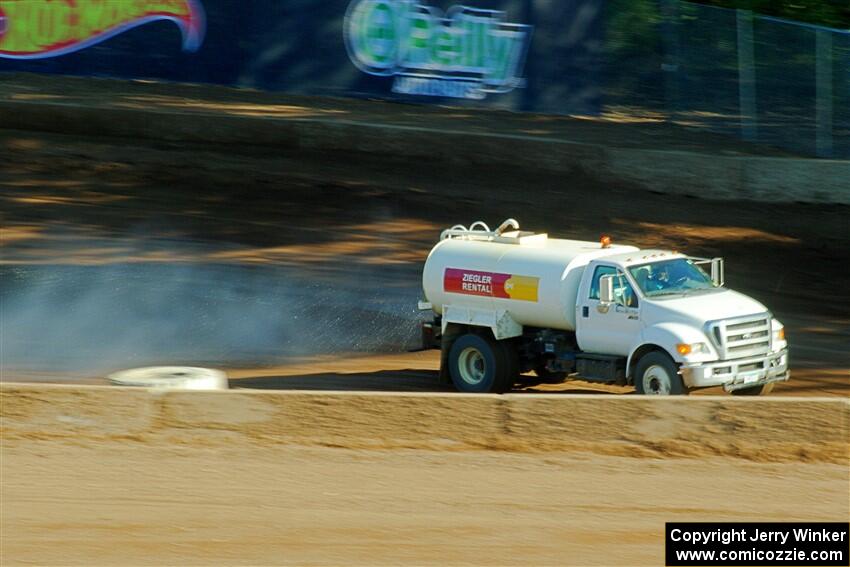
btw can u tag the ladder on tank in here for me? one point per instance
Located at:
(507, 232)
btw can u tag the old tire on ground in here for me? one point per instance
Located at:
(761, 390)
(171, 378)
(657, 374)
(478, 364)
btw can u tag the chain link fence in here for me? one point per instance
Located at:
(767, 80)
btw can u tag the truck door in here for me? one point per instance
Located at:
(611, 330)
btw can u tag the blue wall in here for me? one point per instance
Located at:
(300, 46)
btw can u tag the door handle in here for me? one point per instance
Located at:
(621, 309)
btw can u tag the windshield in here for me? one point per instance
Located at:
(670, 277)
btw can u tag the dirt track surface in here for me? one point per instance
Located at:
(284, 257)
(118, 252)
(419, 372)
(120, 504)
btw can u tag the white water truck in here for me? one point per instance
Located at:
(506, 302)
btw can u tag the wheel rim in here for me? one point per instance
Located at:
(472, 366)
(656, 381)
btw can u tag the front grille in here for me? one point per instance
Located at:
(739, 338)
(751, 366)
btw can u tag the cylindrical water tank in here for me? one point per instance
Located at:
(535, 280)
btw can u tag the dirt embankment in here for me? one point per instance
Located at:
(106, 476)
(643, 152)
(792, 429)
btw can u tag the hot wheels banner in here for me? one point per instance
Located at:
(37, 29)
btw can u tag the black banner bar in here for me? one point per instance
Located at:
(757, 543)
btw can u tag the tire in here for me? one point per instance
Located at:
(657, 374)
(511, 357)
(171, 378)
(479, 365)
(761, 390)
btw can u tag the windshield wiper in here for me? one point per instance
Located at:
(663, 293)
(704, 289)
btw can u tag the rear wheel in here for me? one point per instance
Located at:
(762, 390)
(656, 374)
(478, 364)
(511, 356)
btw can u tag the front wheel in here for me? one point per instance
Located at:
(656, 374)
(762, 390)
(477, 364)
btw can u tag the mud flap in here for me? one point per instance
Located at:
(448, 337)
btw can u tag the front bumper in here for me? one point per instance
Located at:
(737, 374)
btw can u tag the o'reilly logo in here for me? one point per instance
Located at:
(464, 53)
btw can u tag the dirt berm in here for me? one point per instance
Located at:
(779, 429)
(646, 154)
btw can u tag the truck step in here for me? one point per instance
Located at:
(601, 368)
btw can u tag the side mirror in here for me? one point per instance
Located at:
(606, 289)
(718, 273)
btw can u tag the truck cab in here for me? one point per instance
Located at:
(508, 302)
(635, 302)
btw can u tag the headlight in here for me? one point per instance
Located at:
(693, 348)
(778, 331)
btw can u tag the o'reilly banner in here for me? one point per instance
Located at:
(465, 53)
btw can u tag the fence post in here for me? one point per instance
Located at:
(528, 98)
(823, 81)
(746, 76)
(670, 64)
